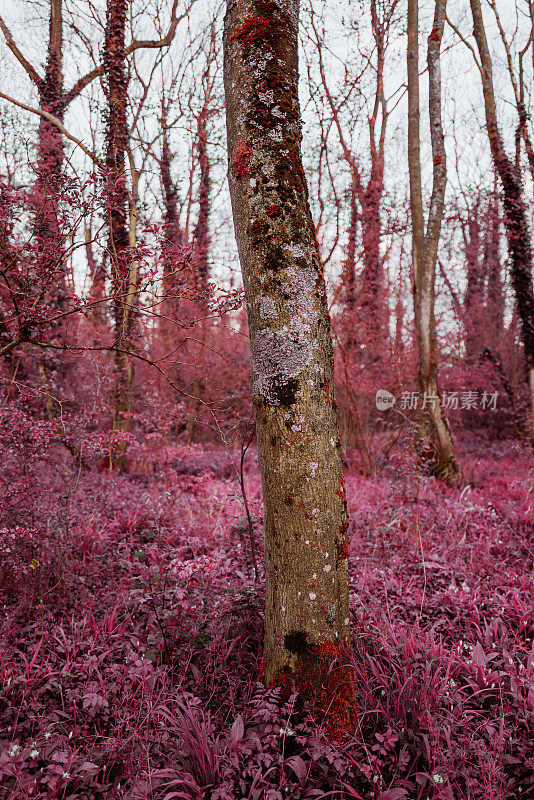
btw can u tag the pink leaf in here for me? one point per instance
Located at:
(238, 729)
(479, 656)
(298, 766)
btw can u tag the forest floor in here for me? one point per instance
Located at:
(131, 628)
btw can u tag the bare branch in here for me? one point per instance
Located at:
(31, 71)
(55, 121)
(80, 84)
(137, 44)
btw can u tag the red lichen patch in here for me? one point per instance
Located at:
(273, 211)
(325, 679)
(276, 78)
(341, 491)
(241, 155)
(343, 549)
(252, 29)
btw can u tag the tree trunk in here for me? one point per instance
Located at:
(305, 516)
(116, 82)
(46, 195)
(372, 289)
(515, 213)
(201, 241)
(173, 240)
(8, 262)
(349, 273)
(435, 444)
(492, 268)
(474, 293)
(201, 231)
(50, 158)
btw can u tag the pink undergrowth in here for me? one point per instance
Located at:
(130, 634)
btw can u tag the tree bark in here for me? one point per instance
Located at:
(492, 269)
(349, 277)
(435, 443)
(201, 241)
(173, 238)
(474, 293)
(116, 83)
(50, 157)
(201, 237)
(305, 516)
(517, 229)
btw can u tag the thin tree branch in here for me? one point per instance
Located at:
(55, 121)
(31, 71)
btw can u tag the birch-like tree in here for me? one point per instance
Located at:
(435, 442)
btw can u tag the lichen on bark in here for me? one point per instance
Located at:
(292, 358)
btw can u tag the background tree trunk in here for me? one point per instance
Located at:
(435, 436)
(515, 213)
(201, 231)
(50, 156)
(474, 292)
(116, 81)
(492, 269)
(306, 545)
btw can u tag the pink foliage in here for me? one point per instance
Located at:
(131, 638)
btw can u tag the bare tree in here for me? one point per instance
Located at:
(435, 435)
(517, 228)
(367, 190)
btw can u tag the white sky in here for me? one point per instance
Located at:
(468, 156)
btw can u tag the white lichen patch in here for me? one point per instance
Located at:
(295, 250)
(267, 96)
(276, 134)
(278, 356)
(267, 307)
(313, 466)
